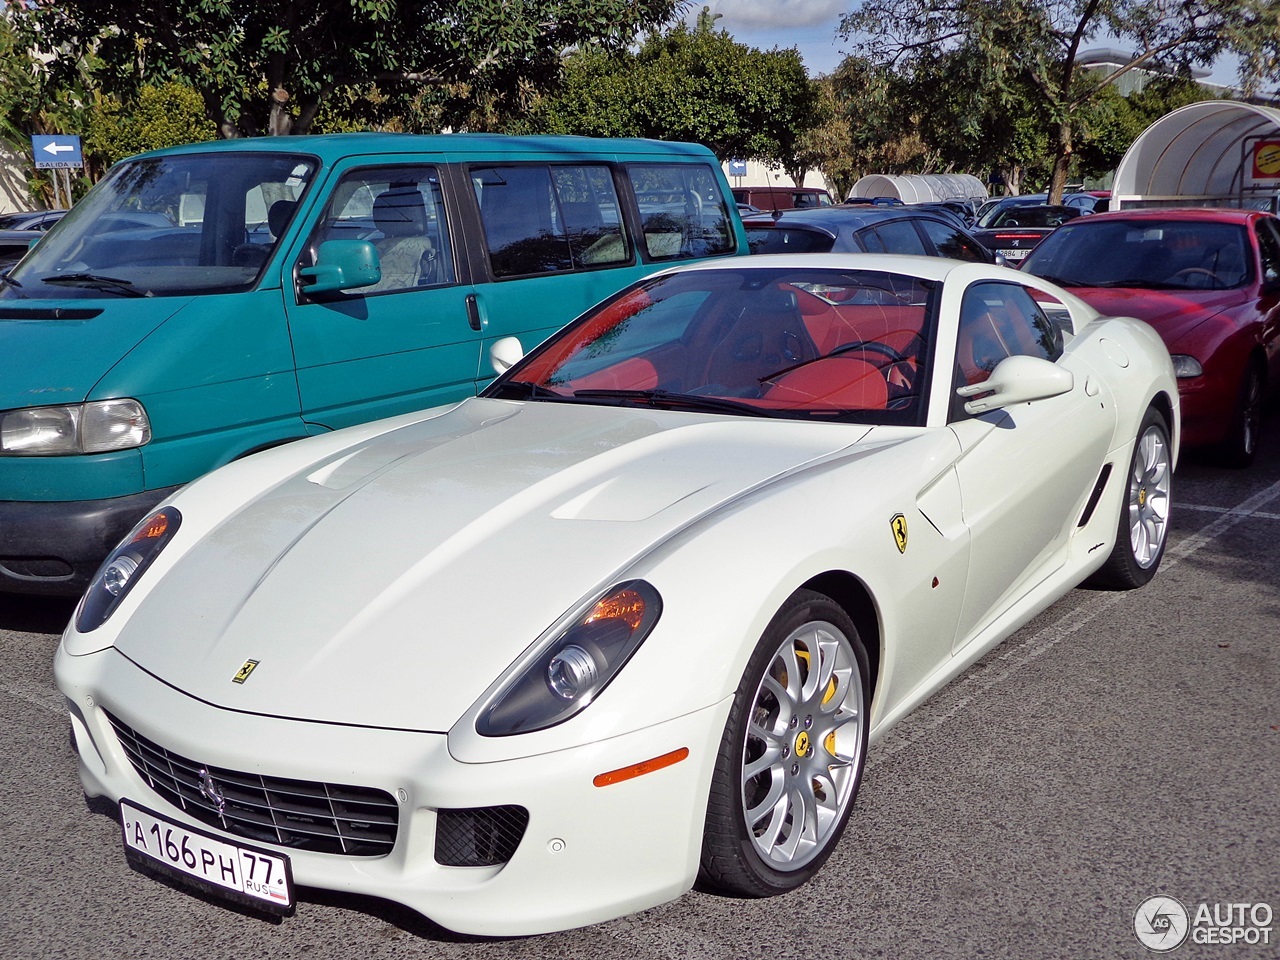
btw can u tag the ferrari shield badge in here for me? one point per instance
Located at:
(899, 526)
(243, 674)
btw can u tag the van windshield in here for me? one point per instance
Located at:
(168, 226)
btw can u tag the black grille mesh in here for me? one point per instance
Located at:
(479, 836)
(301, 814)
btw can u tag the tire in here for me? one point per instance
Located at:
(1143, 526)
(1241, 445)
(792, 753)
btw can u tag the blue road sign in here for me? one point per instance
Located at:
(737, 168)
(57, 152)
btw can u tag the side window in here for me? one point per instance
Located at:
(899, 236)
(401, 211)
(1269, 248)
(950, 242)
(683, 213)
(548, 219)
(999, 320)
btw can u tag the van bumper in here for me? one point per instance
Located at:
(54, 548)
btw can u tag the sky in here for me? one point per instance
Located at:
(811, 25)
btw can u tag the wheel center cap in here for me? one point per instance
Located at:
(1142, 496)
(802, 743)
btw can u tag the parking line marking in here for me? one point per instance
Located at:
(1023, 652)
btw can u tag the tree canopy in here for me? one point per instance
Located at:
(1032, 47)
(268, 66)
(696, 84)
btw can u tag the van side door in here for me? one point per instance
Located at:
(406, 342)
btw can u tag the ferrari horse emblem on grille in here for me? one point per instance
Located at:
(210, 790)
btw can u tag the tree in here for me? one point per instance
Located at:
(267, 66)
(1037, 43)
(698, 85)
(164, 116)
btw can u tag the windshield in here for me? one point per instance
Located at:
(848, 345)
(1151, 254)
(166, 226)
(1032, 216)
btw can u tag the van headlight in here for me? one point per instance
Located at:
(569, 673)
(98, 427)
(125, 566)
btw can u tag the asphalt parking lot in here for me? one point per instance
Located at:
(1121, 746)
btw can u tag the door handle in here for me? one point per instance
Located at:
(473, 312)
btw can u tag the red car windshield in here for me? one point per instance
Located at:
(1150, 254)
(797, 344)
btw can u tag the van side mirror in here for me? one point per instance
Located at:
(505, 353)
(342, 265)
(1017, 380)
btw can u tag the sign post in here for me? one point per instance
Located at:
(56, 153)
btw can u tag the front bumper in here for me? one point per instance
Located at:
(588, 853)
(53, 548)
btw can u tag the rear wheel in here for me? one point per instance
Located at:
(792, 752)
(1242, 443)
(1144, 516)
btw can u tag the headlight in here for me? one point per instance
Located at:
(98, 427)
(570, 672)
(127, 562)
(1185, 366)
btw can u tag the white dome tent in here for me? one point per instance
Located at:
(1206, 154)
(920, 187)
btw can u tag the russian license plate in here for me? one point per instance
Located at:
(244, 874)
(1013, 254)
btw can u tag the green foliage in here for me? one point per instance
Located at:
(163, 116)
(696, 85)
(1023, 56)
(267, 66)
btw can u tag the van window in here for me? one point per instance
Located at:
(401, 211)
(549, 218)
(169, 226)
(682, 210)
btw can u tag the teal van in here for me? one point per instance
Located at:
(205, 302)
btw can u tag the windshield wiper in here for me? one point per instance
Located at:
(684, 401)
(1142, 283)
(107, 284)
(1061, 281)
(8, 278)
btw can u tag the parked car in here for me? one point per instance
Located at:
(209, 301)
(822, 485)
(40, 220)
(14, 245)
(864, 228)
(1014, 231)
(1209, 282)
(1086, 202)
(782, 198)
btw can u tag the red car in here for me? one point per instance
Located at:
(1208, 280)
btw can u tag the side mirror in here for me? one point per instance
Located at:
(342, 265)
(505, 353)
(1017, 380)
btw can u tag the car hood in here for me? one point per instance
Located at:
(1173, 313)
(56, 351)
(391, 584)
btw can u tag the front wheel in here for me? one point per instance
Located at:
(792, 752)
(1144, 516)
(1241, 444)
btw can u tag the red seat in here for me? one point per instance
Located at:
(842, 383)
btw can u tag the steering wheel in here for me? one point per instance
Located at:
(869, 346)
(1196, 271)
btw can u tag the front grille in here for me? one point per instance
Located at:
(479, 836)
(302, 814)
